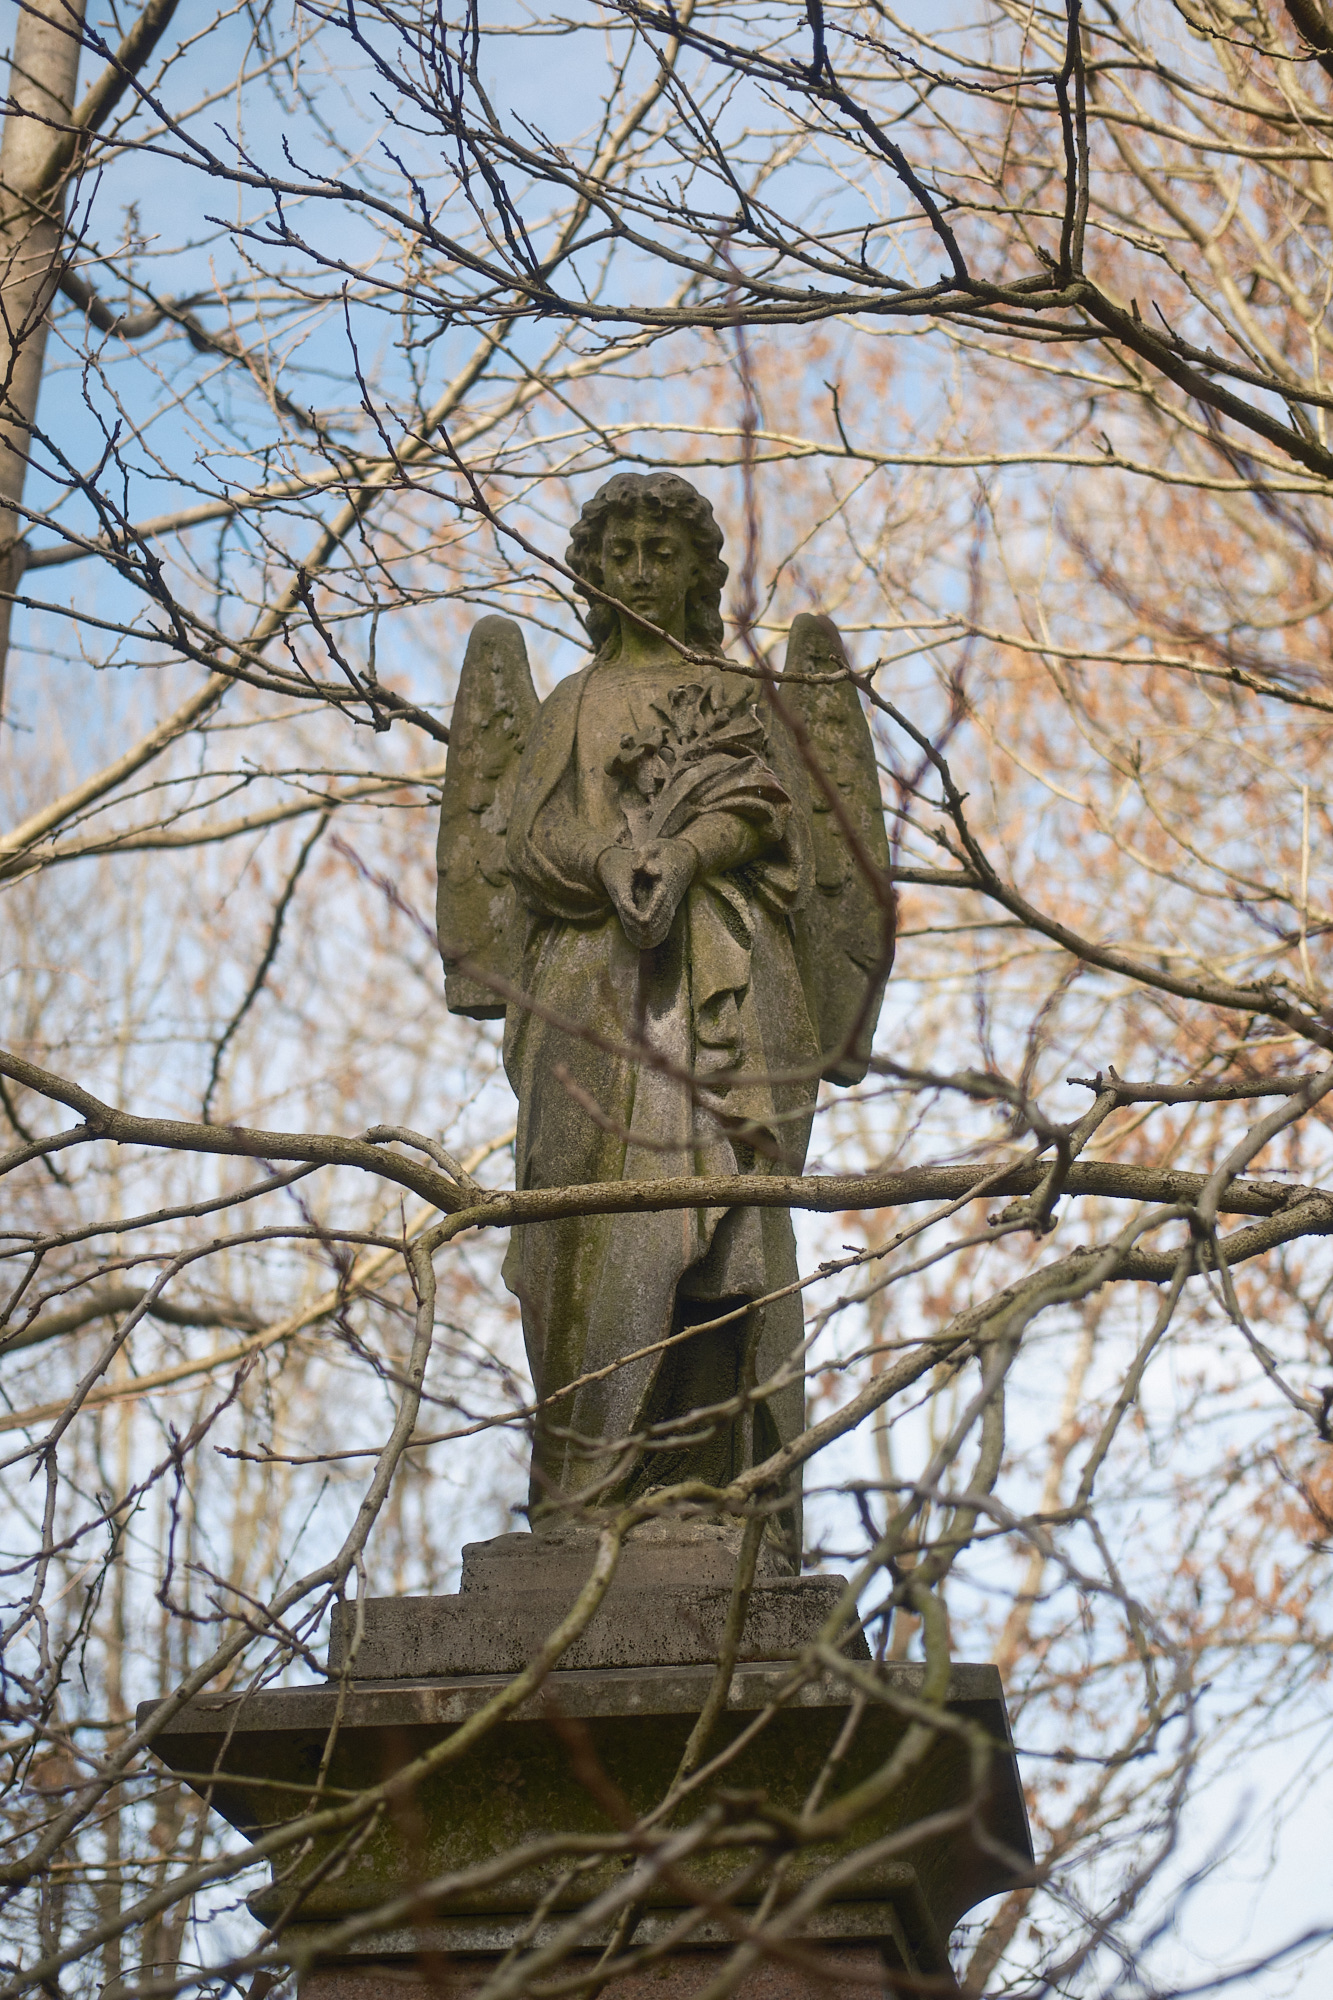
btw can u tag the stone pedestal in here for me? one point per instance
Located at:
(666, 1607)
(590, 1754)
(817, 1971)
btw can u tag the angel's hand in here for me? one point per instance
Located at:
(615, 867)
(646, 885)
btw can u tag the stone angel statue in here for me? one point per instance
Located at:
(674, 887)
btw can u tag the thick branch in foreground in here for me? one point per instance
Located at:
(831, 1193)
(112, 1301)
(101, 1121)
(505, 1208)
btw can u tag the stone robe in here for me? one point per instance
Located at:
(724, 992)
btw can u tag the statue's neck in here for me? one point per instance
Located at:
(644, 652)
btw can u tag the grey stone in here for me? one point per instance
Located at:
(674, 885)
(824, 1962)
(821, 1967)
(444, 1702)
(669, 1553)
(666, 1606)
(478, 924)
(662, 853)
(408, 1638)
(847, 1922)
(257, 1758)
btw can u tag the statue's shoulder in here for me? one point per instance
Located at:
(565, 696)
(554, 725)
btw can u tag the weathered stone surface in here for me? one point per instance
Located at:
(446, 1938)
(476, 911)
(846, 928)
(670, 1553)
(676, 914)
(820, 1972)
(409, 1638)
(666, 1606)
(635, 1691)
(651, 857)
(258, 1758)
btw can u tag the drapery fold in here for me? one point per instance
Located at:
(721, 996)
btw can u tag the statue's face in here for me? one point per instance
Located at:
(648, 563)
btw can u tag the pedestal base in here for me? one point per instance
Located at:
(666, 1607)
(546, 1830)
(820, 1972)
(907, 1868)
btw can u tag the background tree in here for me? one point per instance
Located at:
(1003, 340)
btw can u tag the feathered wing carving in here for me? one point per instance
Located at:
(477, 913)
(845, 932)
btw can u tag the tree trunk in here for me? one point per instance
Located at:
(43, 72)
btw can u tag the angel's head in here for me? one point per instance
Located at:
(664, 502)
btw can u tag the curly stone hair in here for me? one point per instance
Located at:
(667, 494)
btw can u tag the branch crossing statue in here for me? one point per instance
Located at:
(670, 878)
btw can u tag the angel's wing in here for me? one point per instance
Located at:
(846, 929)
(476, 909)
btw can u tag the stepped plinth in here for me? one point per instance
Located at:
(413, 1896)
